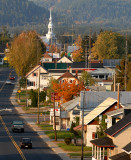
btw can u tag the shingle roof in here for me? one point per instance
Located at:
(127, 148)
(67, 75)
(46, 55)
(99, 109)
(118, 111)
(93, 99)
(120, 156)
(103, 142)
(117, 127)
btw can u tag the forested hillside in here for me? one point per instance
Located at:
(20, 12)
(111, 13)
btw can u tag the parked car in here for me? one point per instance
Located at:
(12, 78)
(25, 143)
(17, 126)
(8, 82)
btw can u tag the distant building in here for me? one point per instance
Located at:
(50, 36)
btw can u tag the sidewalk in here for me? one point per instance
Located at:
(63, 155)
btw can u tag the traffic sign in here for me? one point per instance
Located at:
(19, 91)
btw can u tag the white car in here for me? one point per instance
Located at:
(8, 82)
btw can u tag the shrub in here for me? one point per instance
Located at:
(67, 140)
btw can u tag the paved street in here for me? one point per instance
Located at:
(9, 141)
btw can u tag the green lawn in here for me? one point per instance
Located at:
(89, 154)
(60, 134)
(73, 148)
(46, 126)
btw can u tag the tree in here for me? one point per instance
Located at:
(120, 74)
(77, 53)
(25, 50)
(67, 90)
(86, 79)
(102, 127)
(109, 45)
(50, 88)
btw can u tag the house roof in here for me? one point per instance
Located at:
(46, 55)
(103, 142)
(120, 156)
(93, 99)
(67, 75)
(71, 104)
(118, 111)
(66, 59)
(120, 125)
(127, 148)
(79, 127)
(82, 65)
(34, 69)
(99, 110)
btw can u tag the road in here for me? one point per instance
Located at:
(9, 141)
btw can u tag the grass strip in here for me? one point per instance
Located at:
(73, 148)
(60, 134)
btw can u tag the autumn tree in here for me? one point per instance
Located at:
(109, 45)
(86, 79)
(77, 53)
(50, 87)
(120, 74)
(25, 50)
(67, 90)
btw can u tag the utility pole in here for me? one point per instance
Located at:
(114, 82)
(38, 109)
(118, 95)
(54, 116)
(126, 64)
(82, 129)
(89, 48)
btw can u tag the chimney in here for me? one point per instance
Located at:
(70, 69)
(76, 74)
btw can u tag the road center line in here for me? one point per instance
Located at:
(12, 139)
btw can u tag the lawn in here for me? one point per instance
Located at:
(46, 126)
(73, 148)
(60, 134)
(89, 154)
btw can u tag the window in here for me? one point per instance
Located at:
(94, 135)
(34, 74)
(46, 60)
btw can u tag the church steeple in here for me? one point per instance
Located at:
(50, 35)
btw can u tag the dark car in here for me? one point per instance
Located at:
(25, 143)
(12, 78)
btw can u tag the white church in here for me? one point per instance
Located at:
(50, 36)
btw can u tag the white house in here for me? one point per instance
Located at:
(33, 78)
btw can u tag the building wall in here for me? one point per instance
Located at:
(121, 139)
(90, 130)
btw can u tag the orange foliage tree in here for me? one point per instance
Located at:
(67, 90)
(77, 53)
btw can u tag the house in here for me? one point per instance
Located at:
(64, 60)
(107, 83)
(67, 76)
(116, 115)
(46, 58)
(94, 117)
(33, 78)
(117, 143)
(68, 113)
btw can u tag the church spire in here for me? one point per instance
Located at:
(50, 16)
